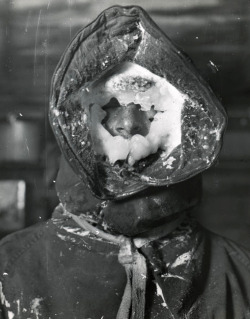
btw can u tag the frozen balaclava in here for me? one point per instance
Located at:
(129, 109)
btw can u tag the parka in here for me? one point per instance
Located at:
(123, 242)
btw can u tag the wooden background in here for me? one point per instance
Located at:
(216, 35)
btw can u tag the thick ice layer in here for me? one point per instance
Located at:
(122, 83)
(132, 83)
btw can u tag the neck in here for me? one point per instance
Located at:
(151, 208)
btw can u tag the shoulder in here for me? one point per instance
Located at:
(230, 251)
(228, 278)
(17, 244)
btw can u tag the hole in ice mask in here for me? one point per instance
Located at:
(131, 116)
(126, 120)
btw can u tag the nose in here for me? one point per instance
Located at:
(127, 121)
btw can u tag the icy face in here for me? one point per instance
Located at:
(130, 83)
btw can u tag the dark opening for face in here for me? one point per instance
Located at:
(133, 113)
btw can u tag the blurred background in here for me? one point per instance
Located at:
(33, 35)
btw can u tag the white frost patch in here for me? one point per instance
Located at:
(217, 134)
(173, 276)
(65, 238)
(76, 231)
(18, 306)
(214, 66)
(72, 230)
(61, 237)
(11, 315)
(55, 111)
(3, 298)
(83, 233)
(35, 306)
(144, 41)
(168, 163)
(160, 294)
(182, 259)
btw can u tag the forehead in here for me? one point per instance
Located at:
(130, 76)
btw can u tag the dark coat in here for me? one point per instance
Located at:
(57, 270)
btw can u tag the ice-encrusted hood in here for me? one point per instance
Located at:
(127, 34)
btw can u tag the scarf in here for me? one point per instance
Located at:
(133, 301)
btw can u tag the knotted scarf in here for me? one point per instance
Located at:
(133, 301)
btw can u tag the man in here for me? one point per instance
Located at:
(136, 125)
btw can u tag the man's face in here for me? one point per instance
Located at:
(133, 113)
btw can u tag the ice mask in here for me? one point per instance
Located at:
(130, 85)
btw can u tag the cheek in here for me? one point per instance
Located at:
(110, 123)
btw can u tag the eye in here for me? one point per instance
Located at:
(113, 103)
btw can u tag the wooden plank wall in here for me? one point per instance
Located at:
(216, 35)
